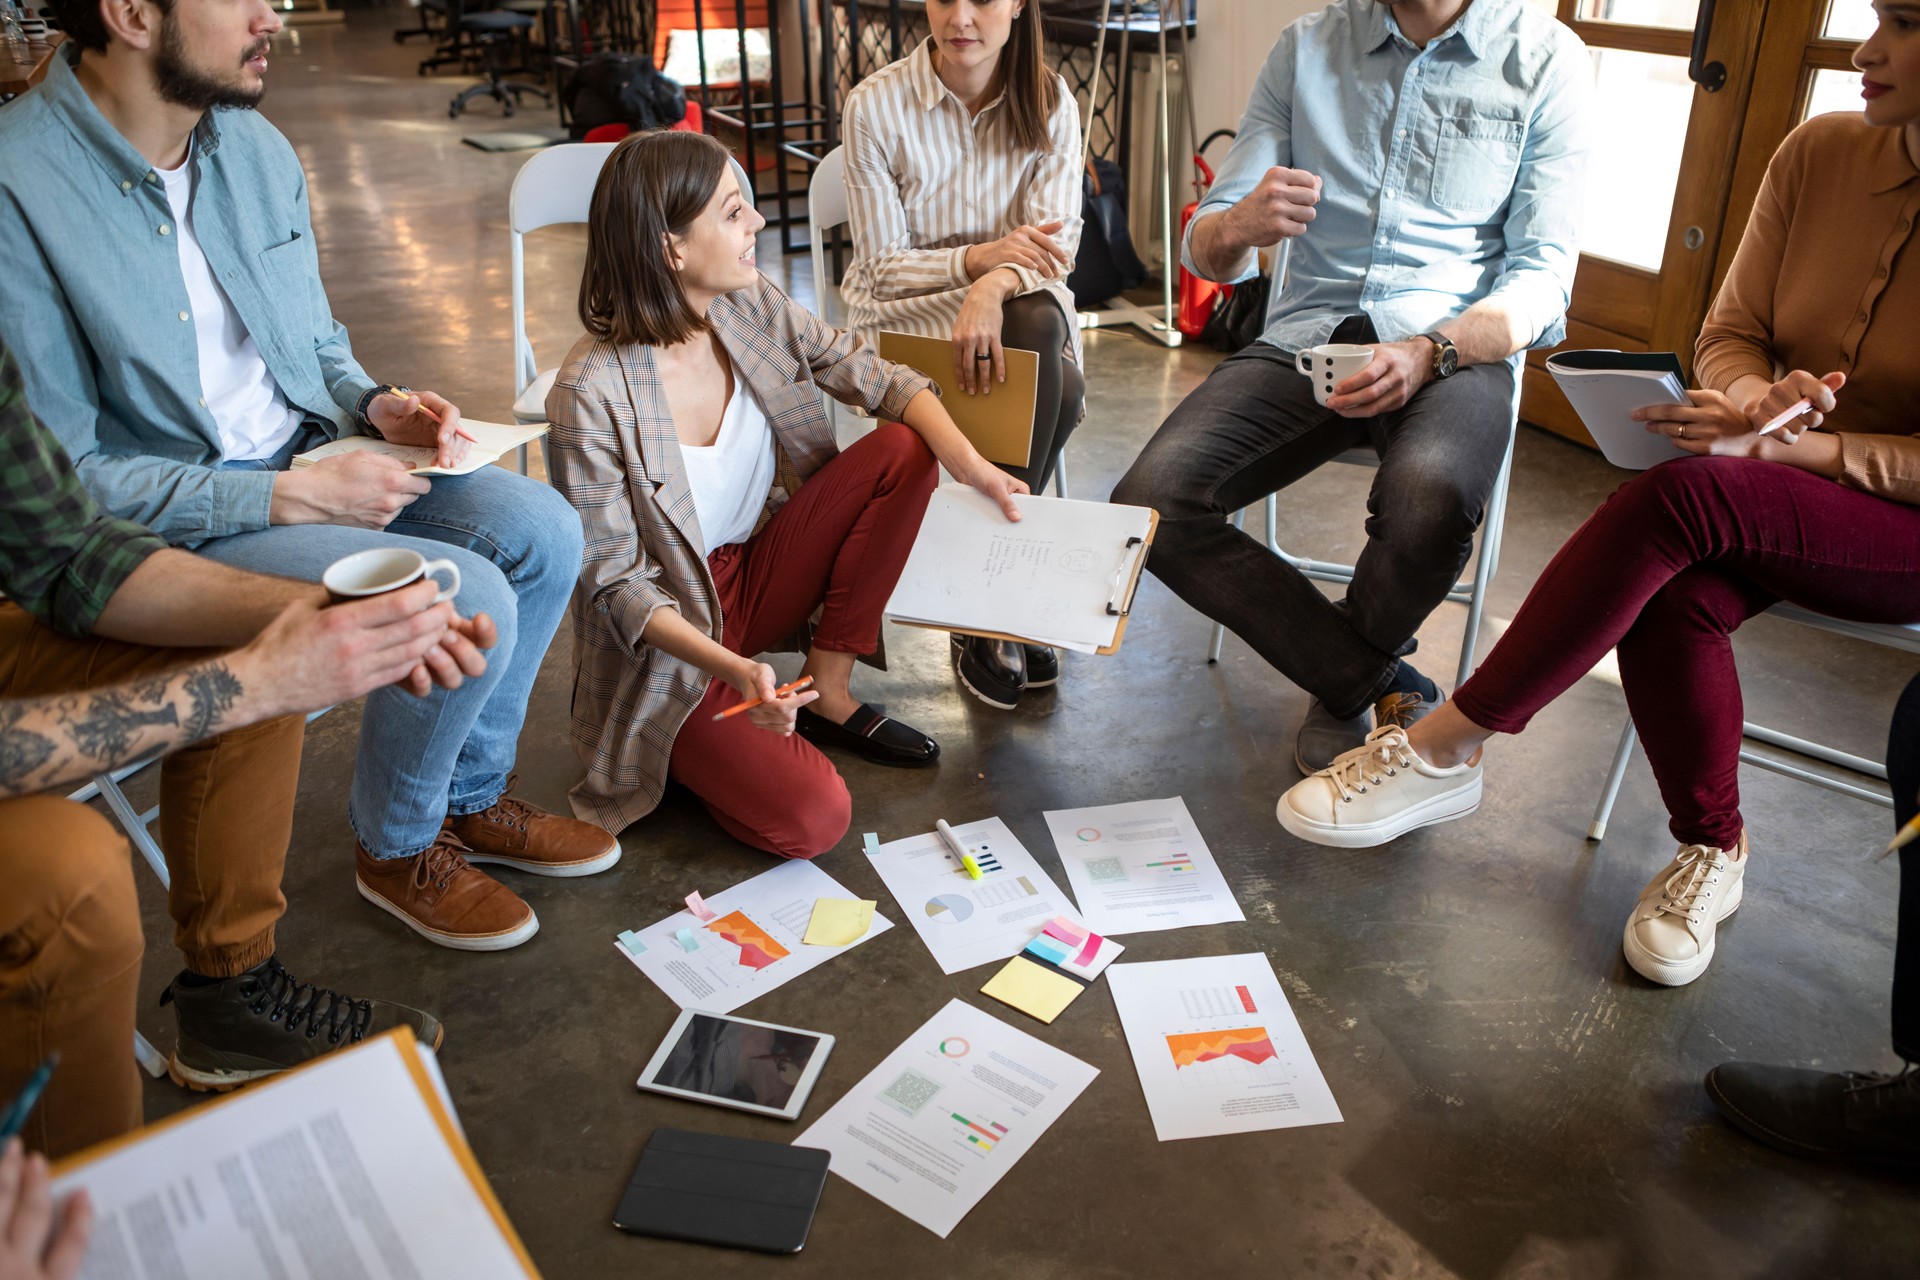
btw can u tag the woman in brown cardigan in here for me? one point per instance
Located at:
(1822, 304)
(689, 433)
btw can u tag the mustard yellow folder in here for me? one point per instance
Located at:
(999, 424)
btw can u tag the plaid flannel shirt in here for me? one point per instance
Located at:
(61, 556)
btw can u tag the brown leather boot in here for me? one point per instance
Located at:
(439, 896)
(515, 834)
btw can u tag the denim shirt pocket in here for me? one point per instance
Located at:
(1476, 160)
(287, 256)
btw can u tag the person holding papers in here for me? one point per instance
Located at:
(115, 648)
(164, 296)
(963, 173)
(1422, 161)
(689, 432)
(1825, 287)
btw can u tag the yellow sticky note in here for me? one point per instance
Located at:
(838, 921)
(1031, 989)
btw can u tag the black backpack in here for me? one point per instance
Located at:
(1106, 266)
(622, 88)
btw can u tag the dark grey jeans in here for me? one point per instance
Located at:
(1253, 428)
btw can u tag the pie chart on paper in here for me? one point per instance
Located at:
(949, 908)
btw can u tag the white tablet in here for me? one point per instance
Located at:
(738, 1063)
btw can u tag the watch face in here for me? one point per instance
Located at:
(1449, 361)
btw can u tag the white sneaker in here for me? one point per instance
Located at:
(1376, 793)
(1669, 936)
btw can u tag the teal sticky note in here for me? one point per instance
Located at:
(687, 941)
(872, 841)
(631, 941)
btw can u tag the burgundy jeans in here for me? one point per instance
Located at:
(1666, 570)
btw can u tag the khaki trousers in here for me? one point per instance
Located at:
(70, 939)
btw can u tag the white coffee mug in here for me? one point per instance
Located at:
(373, 573)
(1331, 365)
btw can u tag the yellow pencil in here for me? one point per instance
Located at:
(1908, 834)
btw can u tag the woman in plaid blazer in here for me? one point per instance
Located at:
(689, 433)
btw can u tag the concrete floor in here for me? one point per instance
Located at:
(1517, 1103)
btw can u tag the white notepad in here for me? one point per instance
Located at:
(1063, 576)
(493, 441)
(1605, 386)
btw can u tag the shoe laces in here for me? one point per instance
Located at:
(509, 812)
(440, 862)
(1694, 881)
(1397, 709)
(294, 1004)
(1877, 1089)
(1385, 754)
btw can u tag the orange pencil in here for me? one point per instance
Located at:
(438, 421)
(781, 692)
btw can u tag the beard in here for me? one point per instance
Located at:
(186, 85)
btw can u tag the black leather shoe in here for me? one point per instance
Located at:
(994, 671)
(871, 736)
(1043, 666)
(1823, 1115)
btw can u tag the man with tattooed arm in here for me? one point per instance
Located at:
(115, 648)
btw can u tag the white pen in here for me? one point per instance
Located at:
(1787, 415)
(949, 839)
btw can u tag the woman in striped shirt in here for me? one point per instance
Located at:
(963, 186)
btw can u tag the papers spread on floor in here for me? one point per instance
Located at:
(1141, 866)
(967, 922)
(494, 440)
(1217, 1047)
(353, 1166)
(931, 1129)
(752, 944)
(1055, 578)
(1605, 386)
(1053, 970)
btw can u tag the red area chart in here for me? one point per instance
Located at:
(1249, 1044)
(757, 950)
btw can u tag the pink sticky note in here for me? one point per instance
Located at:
(698, 906)
(1088, 952)
(1065, 930)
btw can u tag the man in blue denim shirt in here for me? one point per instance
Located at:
(1421, 160)
(165, 299)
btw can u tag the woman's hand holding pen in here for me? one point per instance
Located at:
(774, 714)
(1713, 424)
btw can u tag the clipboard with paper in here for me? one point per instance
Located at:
(1065, 575)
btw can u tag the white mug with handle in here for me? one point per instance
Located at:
(373, 573)
(1331, 364)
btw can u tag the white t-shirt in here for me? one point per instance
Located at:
(253, 418)
(731, 477)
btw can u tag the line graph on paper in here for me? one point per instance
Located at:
(1238, 1058)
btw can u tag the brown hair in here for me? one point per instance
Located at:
(1033, 92)
(654, 184)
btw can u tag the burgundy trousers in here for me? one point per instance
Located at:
(1666, 570)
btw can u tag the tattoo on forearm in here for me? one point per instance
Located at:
(47, 742)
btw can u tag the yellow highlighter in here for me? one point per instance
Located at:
(958, 850)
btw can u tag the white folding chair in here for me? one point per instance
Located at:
(1470, 592)
(1893, 636)
(555, 186)
(827, 209)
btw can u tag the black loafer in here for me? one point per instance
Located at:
(1823, 1115)
(1043, 666)
(994, 671)
(871, 736)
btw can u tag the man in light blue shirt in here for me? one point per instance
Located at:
(164, 295)
(1420, 163)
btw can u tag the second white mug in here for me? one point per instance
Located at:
(372, 573)
(1331, 364)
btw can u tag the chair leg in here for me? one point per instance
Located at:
(151, 1060)
(1060, 472)
(1220, 632)
(1616, 774)
(135, 825)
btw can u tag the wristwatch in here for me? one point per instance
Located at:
(1446, 356)
(360, 410)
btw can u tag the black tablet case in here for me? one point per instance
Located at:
(727, 1191)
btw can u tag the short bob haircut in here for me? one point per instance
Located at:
(654, 183)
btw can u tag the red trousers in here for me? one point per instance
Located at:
(837, 545)
(1666, 570)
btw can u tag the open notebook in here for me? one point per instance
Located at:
(493, 441)
(352, 1166)
(1605, 386)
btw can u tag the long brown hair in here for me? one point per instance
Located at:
(653, 185)
(1033, 92)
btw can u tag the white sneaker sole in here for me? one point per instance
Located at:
(1444, 807)
(1676, 973)
(556, 870)
(504, 941)
(968, 686)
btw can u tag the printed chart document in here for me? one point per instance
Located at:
(967, 922)
(1217, 1047)
(1141, 866)
(493, 440)
(349, 1167)
(1050, 578)
(941, 1120)
(753, 943)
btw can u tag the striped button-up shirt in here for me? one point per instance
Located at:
(926, 180)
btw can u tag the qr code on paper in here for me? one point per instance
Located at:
(911, 1092)
(1105, 870)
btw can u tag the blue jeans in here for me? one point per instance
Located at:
(518, 545)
